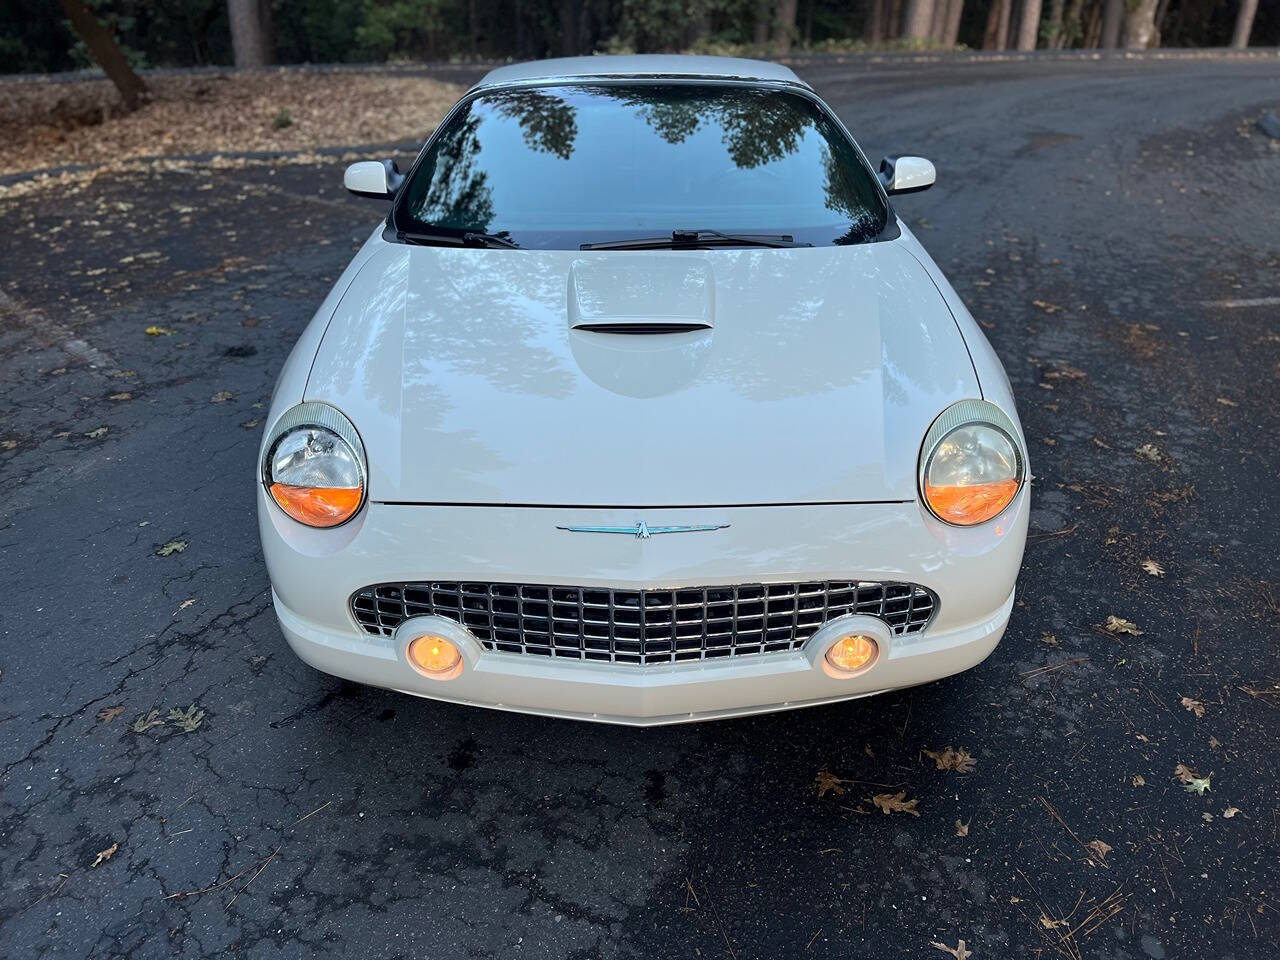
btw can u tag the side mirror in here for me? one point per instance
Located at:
(906, 174)
(379, 179)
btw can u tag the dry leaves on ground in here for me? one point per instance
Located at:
(188, 720)
(222, 396)
(956, 760)
(1153, 568)
(1114, 624)
(105, 855)
(962, 829)
(828, 781)
(44, 124)
(148, 720)
(1195, 706)
(1150, 452)
(158, 331)
(895, 803)
(172, 547)
(107, 714)
(1100, 850)
(97, 433)
(1230, 812)
(958, 951)
(1139, 780)
(1191, 781)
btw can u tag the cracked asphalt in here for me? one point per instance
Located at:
(1114, 226)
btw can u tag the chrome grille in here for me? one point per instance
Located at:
(643, 626)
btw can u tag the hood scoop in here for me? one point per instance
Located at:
(634, 293)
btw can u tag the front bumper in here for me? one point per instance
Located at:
(315, 572)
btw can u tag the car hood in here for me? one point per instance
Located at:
(797, 376)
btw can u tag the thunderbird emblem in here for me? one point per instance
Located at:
(642, 531)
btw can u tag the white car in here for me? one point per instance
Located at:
(642, 405)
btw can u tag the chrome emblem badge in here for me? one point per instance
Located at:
(642, 531)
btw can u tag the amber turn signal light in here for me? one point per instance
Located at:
(852, 654)
(317, 506)
(967, 504)
(435, 657)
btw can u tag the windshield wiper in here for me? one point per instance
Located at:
(470, 238)
(694, 238)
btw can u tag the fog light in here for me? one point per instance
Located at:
(852, 654)
(435, 657)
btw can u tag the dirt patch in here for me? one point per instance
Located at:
(61, 124)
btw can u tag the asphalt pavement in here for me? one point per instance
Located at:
(175, 783)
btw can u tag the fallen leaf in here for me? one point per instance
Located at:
(155, 331)
(1195, 706)
(105, 855)
(958, 761)
(1050, 924)
(1214, 743)
(250, 424)
(1153, 568)
(828, 781)
(1149, 451)
(8, 444)
(222, 396)
(95, 434)
(962, 829)
(1230, 812)
(107, 714)
(188, 720)
(1046, 306)
(895, 803)
(1064, 371)
(1191, 782)
(1100, 848)
(1139, 780)
(1207, 817)
(172, 547)
(146, 721)
(120, 396)
(182, 606)
(1115, 624)
(1227, 403)
(958, 951)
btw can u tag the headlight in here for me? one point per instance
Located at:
(315, 468)
(971, 467)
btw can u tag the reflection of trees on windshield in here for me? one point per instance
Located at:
(757, 126)
(458, 194)
(572, 138)
(549, 122)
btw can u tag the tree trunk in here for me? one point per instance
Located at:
(918, 20)
(938, 25)
(764, 14)
(102, 45)
(1054, 33)
(955, 11)
(784, 26)
(1140, 25)
(249, 32)
(1029, 25)
(1112, 21)
(569, 16)
(874, 29)
(1244, 23)
(894, 27)
(997, 14)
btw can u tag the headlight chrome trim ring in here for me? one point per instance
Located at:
(965, 413)
(314, 414)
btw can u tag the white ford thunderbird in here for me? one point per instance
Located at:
(642, 405)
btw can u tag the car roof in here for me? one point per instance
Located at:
(640, 65)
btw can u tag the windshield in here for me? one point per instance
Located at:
(555, 167)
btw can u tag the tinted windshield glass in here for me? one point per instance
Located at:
(564, 165)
